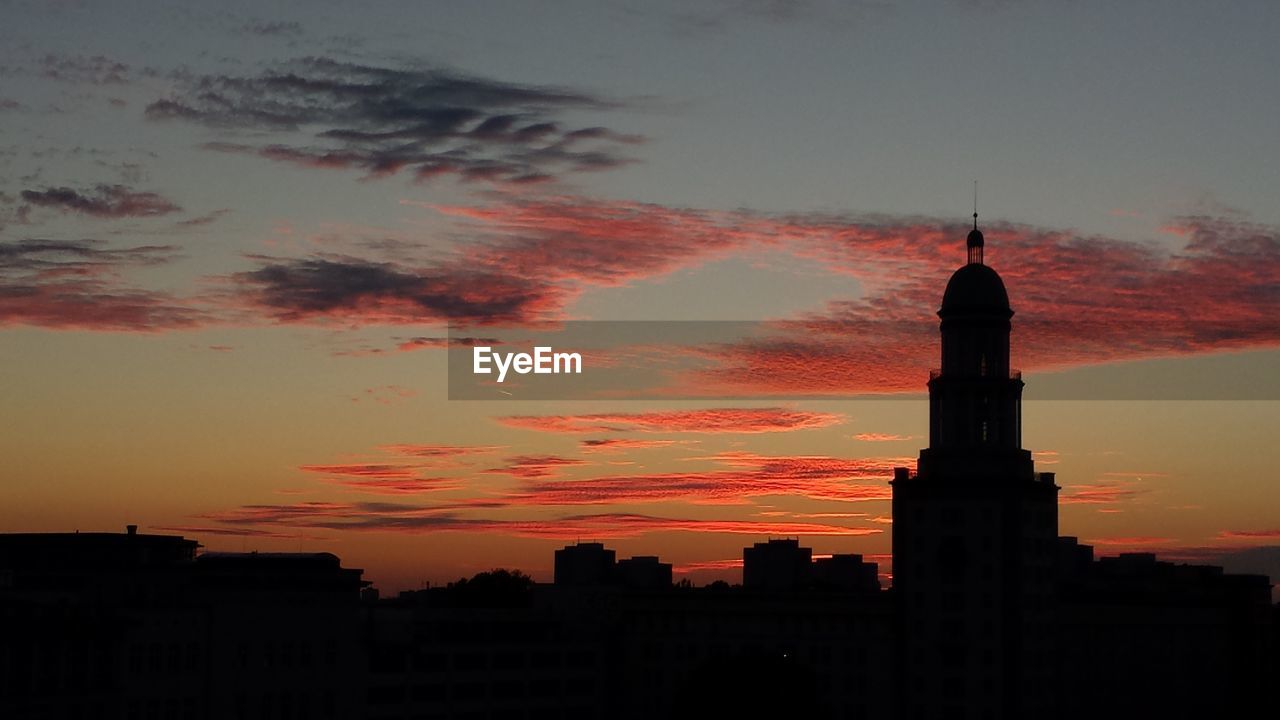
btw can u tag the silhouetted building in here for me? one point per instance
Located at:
(1146, 638)
(643, 572)
(584, 564)
(974, 527)
(845, 572)
(722, 652)
(991, 614)
(779, 564)
(120, 626)
(492, 648)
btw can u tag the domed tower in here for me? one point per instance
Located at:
(975, 399)
(974, 528)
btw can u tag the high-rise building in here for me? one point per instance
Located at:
(975, 527)
(584, 564)
(779, 564)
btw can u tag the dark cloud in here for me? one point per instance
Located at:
(384, 120)
(273, 28)
(206, 219)
(84, 69)
(294, 290)
(75, 284)
(104, 201)
(719, 15)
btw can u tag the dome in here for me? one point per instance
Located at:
(975, 288)
(975, 238)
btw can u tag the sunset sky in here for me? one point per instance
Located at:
(232, 242)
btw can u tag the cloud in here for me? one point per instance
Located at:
(1080, 300)
(1045, 457)
(424, 343)
(405, 462)
(273, 28)
(103, 201)
(439, 451)
(76, 284)
(612, 445)
(402, 474)
(530, 259)
(1249, 534)
(881, 437)
(702, 565)
(364, 470)
(385, 394)
(236, 532)
(1104, 493)
(415, 344)
(535, 466)
(414, 519)
(1134, 541)
(383, 485)
(429, 122)
(206, 219)
(337, 287)
(717, 15)
(84, 69)
(716, 420)
(815, 477)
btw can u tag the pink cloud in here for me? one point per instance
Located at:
(535, 466)
(881, 437)
(718, 420)
(750, 475)
(611, 445)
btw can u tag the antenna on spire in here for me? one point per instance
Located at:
(975, 204)
(975, 241)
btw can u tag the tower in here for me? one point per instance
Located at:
(974, 528)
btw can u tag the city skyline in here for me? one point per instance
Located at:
(228, 263)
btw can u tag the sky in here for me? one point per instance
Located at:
(234, 239)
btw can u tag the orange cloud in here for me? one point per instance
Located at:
(1249, 534)
(719, 420)
(410, 519)
(609, 445)
(817, 477)
(1099, 494)
(535, 466)
(1134, 541)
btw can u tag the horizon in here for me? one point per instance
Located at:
(237, 252)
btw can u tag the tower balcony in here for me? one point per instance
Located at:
(1014, 374)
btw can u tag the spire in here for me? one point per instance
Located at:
(975, 241)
